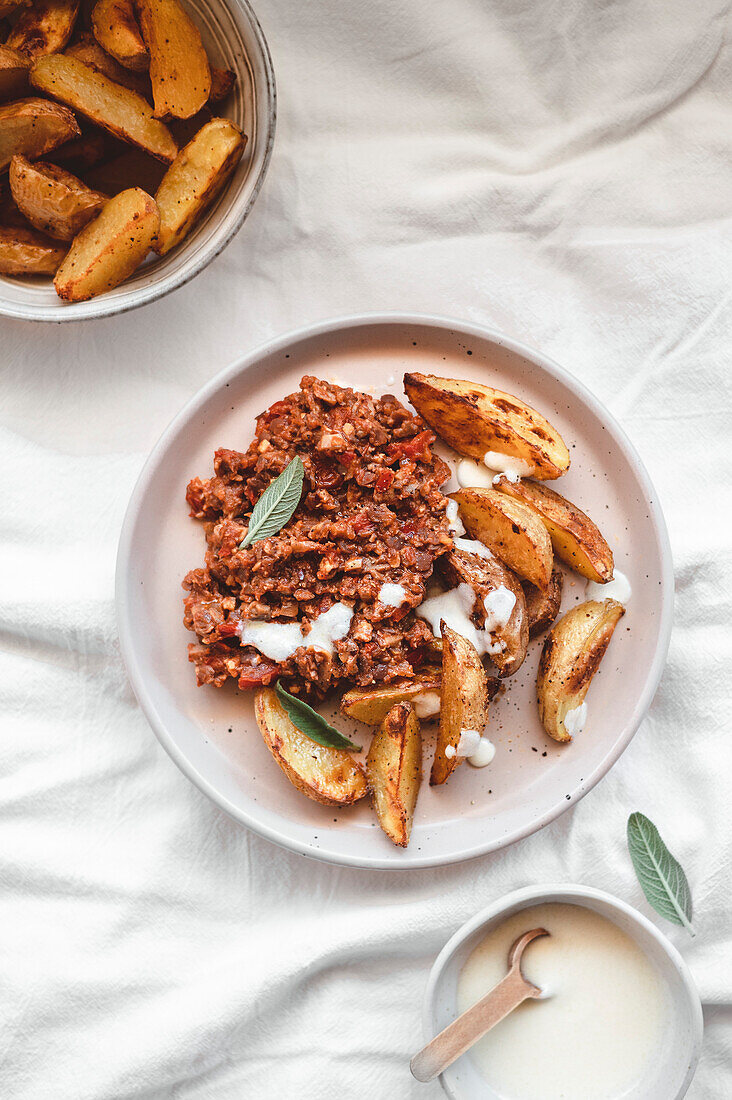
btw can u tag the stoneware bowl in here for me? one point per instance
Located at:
(212, 735)
(672, 1071)
(234, 40)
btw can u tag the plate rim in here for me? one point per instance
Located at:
(315, 330)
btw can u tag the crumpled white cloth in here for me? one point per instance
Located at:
(560, 170)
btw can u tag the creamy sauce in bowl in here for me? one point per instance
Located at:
(595, 1034)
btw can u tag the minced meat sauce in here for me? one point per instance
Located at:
(371, 513)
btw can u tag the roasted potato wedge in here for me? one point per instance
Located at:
(43, 28)
(117, 32)
(222, 84)
(14, 68)
(133, 168)
(464, 702)
(88, 50)
(179, 70)
(53, 201)
(195, 178)
(542, 604)
(476, 419)
(512, 531)
(329, 776)
(371, 705)
(110, 248)
(32, 127)
(570, 658)
(115, 108)
(487, 576)
(26, 252)
(394, 771)
(576, 539)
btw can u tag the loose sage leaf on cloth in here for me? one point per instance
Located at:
(312, 724)
(661, 876)
(276, 504)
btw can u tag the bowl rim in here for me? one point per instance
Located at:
(547, 893)
(275, 346)
(60, 314)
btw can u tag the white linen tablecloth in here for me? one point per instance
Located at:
(559, 170)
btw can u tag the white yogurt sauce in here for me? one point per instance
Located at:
(499, 606)
(483, 475)
(575, 719)
(453, 519)
(426, 704)
(455, 608)
(393, 595)
(473, 546)
(600, 1029)
(472, 475)
(280, 640)
(512, 467)
(483, 754)
(617, 589)
(478, 750)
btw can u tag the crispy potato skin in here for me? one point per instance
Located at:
(195, 178)
(31, 127)
(26, 252)
(88, 50)
(117, 32)
(328, 776)
(179, 70)
(394, 772)
(110, 248)
(511, 530)
(44, 28)
(14, 68)
(475, 419)
(571, 655)
(53, 201)
(464, 701)
(115, 108)
(371, 705)
(484, 576)
(542, 604)
(577, 541)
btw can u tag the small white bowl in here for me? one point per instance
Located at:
(672, 1073)
(234, 40)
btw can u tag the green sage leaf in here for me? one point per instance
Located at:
(277, 504)
(312, 724)
(661, 876)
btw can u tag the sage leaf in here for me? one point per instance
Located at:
(277, 504)
(661, 876)
(312, 724)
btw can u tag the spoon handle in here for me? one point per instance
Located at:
(460, 1035)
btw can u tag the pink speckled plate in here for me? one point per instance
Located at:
(211, 734)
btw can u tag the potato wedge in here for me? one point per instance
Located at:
(576, 539)
(222, 84)
(570, 658)
(14, 68)
(195, 179)
(329, 776)
(117, 32)
(110, 248)
(371, 705)
(179, 70)
(475, 419)
(394, 771)
(32, 127)
(512, 531)
(53, 201)
(542, 604)
(133, 168)
(487, 576)
(88, 50)
(26, 252)
(464, 702)
(43, 28)
(115, 108)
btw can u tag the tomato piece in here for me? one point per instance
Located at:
(384, 480)
(258, 675)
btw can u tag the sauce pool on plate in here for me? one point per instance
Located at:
(596, 1033)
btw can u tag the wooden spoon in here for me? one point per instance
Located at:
(460, 1035)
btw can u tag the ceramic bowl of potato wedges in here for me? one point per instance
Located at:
(134, 139)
